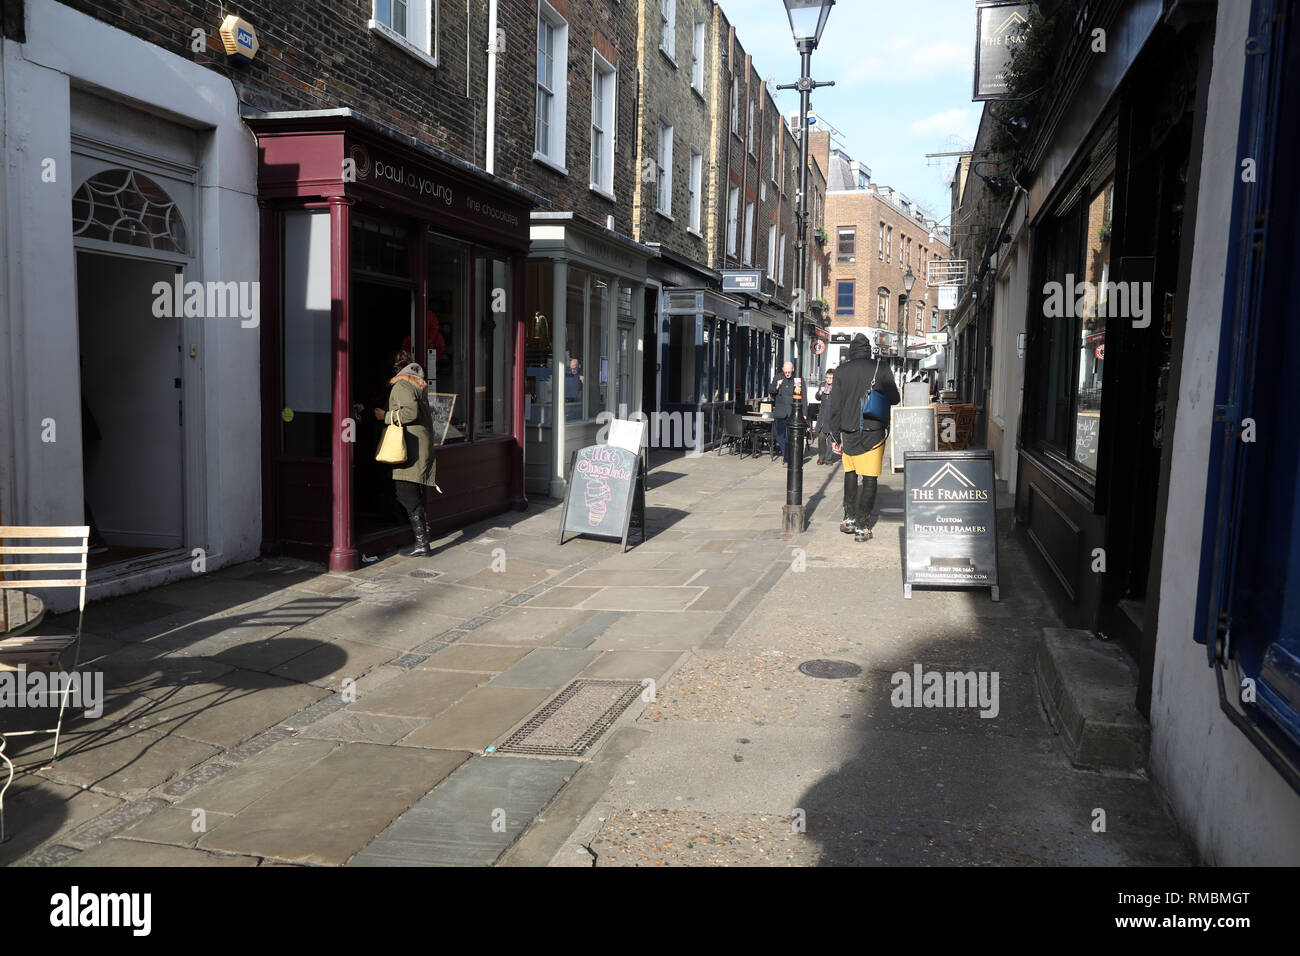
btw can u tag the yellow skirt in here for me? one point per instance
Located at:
(868, 463)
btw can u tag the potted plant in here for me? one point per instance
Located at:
(820, 234)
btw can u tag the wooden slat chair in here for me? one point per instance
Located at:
(965, 424)
(944, 413)
(31, 651)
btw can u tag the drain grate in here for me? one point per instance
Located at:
(571, 723)
(830, 669)
(425, 574)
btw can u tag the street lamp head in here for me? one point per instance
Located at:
(908, 281)
(808, 19)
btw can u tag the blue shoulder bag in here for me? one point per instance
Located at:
(875, 404)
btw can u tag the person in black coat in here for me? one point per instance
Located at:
(782, 407)
(861, 440)
(824, 436)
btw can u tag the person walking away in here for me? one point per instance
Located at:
(782, 406)
(861, 440)
(408, 406)
(824, 436)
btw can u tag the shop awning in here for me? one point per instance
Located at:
(933, 361)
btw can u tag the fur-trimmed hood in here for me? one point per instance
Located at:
(410, 379)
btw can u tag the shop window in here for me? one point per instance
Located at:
(493, 345)
(1092, 334)
(121, 205)
(680, 370)
(447, 331)
(380, 248)
(306, 371)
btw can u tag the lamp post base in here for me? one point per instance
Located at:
(793, 519)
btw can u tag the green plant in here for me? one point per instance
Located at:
(820, 234)
(1034, 60)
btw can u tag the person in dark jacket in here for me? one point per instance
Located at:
(782, 407)
(824, 436)
(408, 406)
(861, 440)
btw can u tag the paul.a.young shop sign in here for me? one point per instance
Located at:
(421, 183)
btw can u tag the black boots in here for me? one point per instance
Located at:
(866, 500)
(421, 549)
(850, 525)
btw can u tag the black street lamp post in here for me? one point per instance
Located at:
(908, 281)
(807, 20)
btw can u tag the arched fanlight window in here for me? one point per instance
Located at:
(121, 205)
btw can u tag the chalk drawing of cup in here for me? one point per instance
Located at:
(597, 494)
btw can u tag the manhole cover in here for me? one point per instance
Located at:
(830, 669)
(570, 723)
(425, 574)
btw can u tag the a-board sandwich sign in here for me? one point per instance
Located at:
(602, 482)
(950, 520)
(911, 428)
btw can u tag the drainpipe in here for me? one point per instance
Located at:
(492, 87)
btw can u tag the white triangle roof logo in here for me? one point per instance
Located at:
(949, 470)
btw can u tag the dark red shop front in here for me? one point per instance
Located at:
(371, 245)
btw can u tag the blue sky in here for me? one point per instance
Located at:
(902, 72)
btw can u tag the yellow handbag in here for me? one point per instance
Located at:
(392, 450)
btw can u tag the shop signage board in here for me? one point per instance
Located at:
(603, 482)
(911, 428)
(950, 520)
(998, 28)
(441, 405)
(948, 297)
(742, 280)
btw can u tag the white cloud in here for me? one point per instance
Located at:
(960, 121)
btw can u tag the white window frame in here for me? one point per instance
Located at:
(664, 171)
(421, 44)
(668, 29)
(697, 188)
(733, 219)
(781, 267)
(772, 169)
(603, 72)
(771, 251)
(553, 155)
(698, 40)
(750, 132)
(748, 251)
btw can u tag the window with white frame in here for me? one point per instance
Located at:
(748, 251)
(882, 240)
(750, 133)
(735, 104)
(664, 169)
(697, 55)
(410, 24)
(602, 124)
(552, 61)
(668, 27)
(781, 265)
(733, 215)
(889, 242)
(771, 167)
(771, 251)
(697, 182)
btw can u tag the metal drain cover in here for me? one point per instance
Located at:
(830, 669)
(425, 574)
(570, 723)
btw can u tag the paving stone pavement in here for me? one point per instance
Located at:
(273, 713)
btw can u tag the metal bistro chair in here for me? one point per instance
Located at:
(33, 652)
(733, 433)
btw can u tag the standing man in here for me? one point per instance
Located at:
(782, 407)
(860, 439)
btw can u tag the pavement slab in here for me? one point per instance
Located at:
(545, 668)
(479, 719)
(327, 813)
(531, 626)
(247, 783)
(454, 825)
(118, 852)
(475, 657)
(419, 693)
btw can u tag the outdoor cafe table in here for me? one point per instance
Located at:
(754, 423)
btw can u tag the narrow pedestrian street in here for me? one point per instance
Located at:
(273, 714)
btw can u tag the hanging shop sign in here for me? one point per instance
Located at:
(950, 533)
(948, 296)
(742, 280)
(818, 346)
(999, 27)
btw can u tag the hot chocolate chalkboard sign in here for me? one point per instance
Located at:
(910, 429)
(950, 520)
(602, 491)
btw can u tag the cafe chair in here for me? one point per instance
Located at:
(733, 433)
(19, 614)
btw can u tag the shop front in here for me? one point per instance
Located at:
(583, 364)
(372, 246)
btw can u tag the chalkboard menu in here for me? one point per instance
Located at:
(911, 429)
(603, 485)
(441, 405)
(950, 520)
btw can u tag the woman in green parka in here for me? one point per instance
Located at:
(408, 406)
